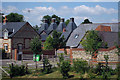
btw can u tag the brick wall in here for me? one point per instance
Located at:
(82, 54)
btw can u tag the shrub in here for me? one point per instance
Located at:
(61, 58)
(65, 68)
(16, 70)
(46, 66)
(80, 66)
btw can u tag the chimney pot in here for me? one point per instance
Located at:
(45, 20)
(72, 19)
(62, 20)
(53, 20)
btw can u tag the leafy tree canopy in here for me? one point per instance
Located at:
(15, 17)
(55, 41)
(36, 45)
(48, 17)
(67, 21)
(36, 27)
(86, 21)
(92, 42)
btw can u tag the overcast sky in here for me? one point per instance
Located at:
(96, 12)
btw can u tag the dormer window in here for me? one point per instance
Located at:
(5, 34)
(76, 36)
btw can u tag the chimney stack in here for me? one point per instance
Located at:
(45, 20)
(72, 19)
(62, 20)
(64, 30)
(53, 20)
(4, 20)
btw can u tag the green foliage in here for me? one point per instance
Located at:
(92, 42)
(15, 17)
(48, 43)
(55, 41)
(50, 17)
(16, 70)
(35, 45)
(61, 58)
(36, 27)
(80, 66)
(106, 45)
(67, 21)
(46, 66)
(118, 48)
(65, 68)
(86, 21)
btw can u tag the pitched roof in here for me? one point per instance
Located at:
(66, 35)
(61, 26)
(44, 37)
(13, 26)
(71, 26)
(52, 26)
(74, 41)
(44, 26)
(110, 37)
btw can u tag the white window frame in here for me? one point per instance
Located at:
(6, 47)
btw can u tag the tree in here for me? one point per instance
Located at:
(36, 47)
(15, 17)
(65, 68)
(86, 21)
(36, 27)
(67, 21)
(92, 42)
(1, 17)
(55, 41)
(48, 43)
(50, 17)
(57, 18)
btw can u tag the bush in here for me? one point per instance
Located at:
(16, 70)
(80, 66)
(46, 66)
(65, 68)
(61, 58)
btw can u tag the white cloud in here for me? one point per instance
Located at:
(97, 10)
(10, 9)
(114, 20)
(79, 19)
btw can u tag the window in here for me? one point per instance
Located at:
(19, 46)
(5, 34)
(6, 47)
(76, 36)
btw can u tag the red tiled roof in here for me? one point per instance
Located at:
(103, 28)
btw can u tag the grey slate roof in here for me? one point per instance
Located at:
(66, 35)
(61, 26)
(52, 26)
(43, 37)
(71, 26)
(44, 26)
(13, 26)
(110, 37)
(81, 30)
